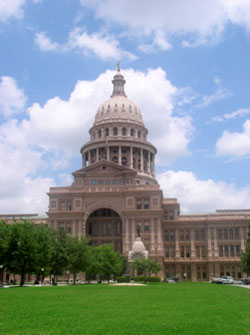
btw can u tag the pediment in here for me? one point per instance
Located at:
(103, 167)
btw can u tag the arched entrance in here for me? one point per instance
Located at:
(104, 225)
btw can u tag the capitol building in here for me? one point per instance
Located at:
(115, 192)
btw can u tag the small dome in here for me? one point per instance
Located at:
(120, 108)
(138, 246)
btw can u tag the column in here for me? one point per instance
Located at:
(159, 238)
(149, 162)
(83, 160)
(242, 242)
(108, 153)
(215, 244)
(152, 237)
(142, 162)
(209, 246)
(131, 157)
(133, 231)
(97, 154)
(120, 155)
(193, 272)
(192, 244)
(126, 235)
(177, 246)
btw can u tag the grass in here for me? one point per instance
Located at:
(155, 309)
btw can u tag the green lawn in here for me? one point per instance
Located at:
(156, 309)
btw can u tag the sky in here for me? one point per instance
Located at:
(186, 65)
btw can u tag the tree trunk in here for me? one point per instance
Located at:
(74, 275)
(22, 278)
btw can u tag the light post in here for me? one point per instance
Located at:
(42, 269)
(1, 275)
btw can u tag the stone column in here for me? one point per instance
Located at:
(192, 244)
(131, 157)
(152, 237)
(215, 244)
(177, 246)
(159, 235)
(193, 272)
(133, 231)
(108, 153)
(83, 160)
(242, 241)
(149, 167)
(210, 271)
(120, 155)
(209, 245)
(126, 235)
(97, 154)
(142, 161)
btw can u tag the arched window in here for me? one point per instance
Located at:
(93, 134)
(124, 161)
(139, 134)
(115, 131)
(106, 132)
(99, 133)
(124, 131)
(132, 132)
(114, 159)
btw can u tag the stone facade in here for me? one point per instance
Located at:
(116, 190)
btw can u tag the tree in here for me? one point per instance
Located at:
(104, 261)
(245, 256)
(146, 266)
(77, 255)
(44, 238)
(4, 244)
(22, 249)
(59, 257)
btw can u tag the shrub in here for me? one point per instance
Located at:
(121, 279)
(146, 279)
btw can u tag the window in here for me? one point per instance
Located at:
(93, 182)
(107, 182)
(138, 203)
(124, 131)
(197, 251)
(220, 234)
(172, 236)
(146, 228)
(124, 161)
(166, 236)
(182, 252)
(139, 134)
(236, 234)
(226, 250)
(99, 133)
(231, 250)
(132, 132)
(121, 181)
(182, 235)
(187, 235)
(69, 205)
(167, 253)
(225, 234)
(220, 251)
(197, 235)
(237, 250)
(146, 203)
(114, 181)
(115, 131)
(100, 181)
(231, 235)
(106, 132)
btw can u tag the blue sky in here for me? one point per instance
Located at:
(187, 68)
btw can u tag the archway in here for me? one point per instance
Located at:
(104, 225)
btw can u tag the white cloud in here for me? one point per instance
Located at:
(220, 93)
(101, 45)
(12, 98)
(44, 43)
(233, 115)
(9, 9)
(235, 145)
(196, 195)
(203, 21)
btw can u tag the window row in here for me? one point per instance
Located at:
(229, 251)
(229, 234)
(105, 228)
(107, 181)
(142, 203)
(116, 132)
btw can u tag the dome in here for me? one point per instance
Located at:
(118, 107)
(138, 246)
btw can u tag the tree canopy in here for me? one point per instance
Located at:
(245, 256)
